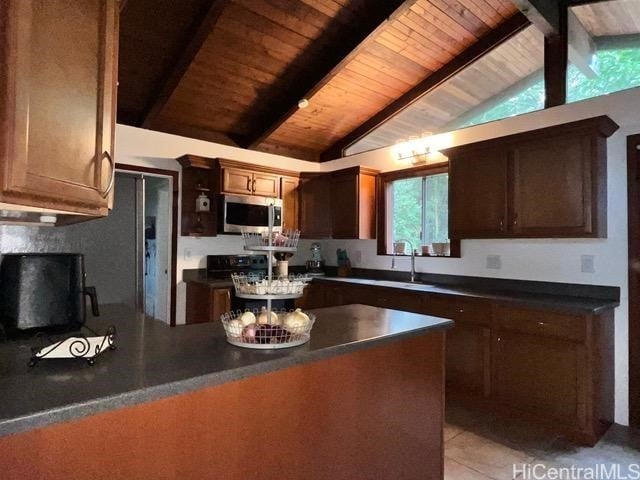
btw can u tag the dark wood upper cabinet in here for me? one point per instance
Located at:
(198, 178)
(563, 167)
(550, 182)
(215, 176)
(315, 205)
(57, 92)
(290, 202)
(340, 204)
(353, 203)
(478, 193)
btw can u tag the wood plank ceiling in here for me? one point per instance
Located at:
(513, 65)
(232, 71)
(612, 18)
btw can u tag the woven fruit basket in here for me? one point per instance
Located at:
(257, 284)
(268, 329)
(280, 241)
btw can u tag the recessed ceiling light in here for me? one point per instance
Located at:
(303, 103)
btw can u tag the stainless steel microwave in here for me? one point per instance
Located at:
(249, 213)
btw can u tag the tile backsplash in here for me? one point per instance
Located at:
(38, 239)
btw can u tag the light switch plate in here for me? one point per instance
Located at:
(587, 264)
(494, 262)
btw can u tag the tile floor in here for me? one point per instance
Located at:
(483, 447)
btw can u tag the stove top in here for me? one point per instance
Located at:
(222, 266)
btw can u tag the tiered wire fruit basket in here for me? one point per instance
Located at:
(268, 328)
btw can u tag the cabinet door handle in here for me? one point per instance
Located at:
(541, 324)
(253, 186)
(515, 219)
(501, 224)
(249, 184)
(112, 180)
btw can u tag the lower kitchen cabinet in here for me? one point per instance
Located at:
(541, 376)
(468, 360)
(468, 353)
(556, 368)
(206, 304)
(313, 297)
(551, 367)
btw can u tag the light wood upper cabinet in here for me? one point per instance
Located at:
(266, 185)
(546, 183)
(290, 202)
(235, 180)
(58, 92)
(248, 182)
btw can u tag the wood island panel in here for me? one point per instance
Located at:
(372, 413)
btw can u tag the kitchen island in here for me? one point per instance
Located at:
(363, 399)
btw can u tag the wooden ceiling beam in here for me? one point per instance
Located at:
(484, 45)
(577, 3)
(556, 60)
(335, 58)
(581, 44)
(198, 33)
(191, 131)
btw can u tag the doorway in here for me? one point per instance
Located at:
(154, 267)
(129, 254)
(157, 246)
(633, 212)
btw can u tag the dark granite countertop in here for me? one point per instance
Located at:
(153, 361)
(564, 303)
(564, 297)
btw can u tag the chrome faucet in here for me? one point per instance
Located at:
(413, 259)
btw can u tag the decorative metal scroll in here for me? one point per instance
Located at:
(77, 346)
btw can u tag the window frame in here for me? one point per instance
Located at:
(384, 183)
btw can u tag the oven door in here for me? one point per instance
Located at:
(250, 214)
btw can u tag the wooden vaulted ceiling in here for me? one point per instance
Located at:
(232, 71)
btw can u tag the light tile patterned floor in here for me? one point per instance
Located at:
(483, 447)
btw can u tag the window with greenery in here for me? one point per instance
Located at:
(529, 99)
(617, 69)
(418, 210)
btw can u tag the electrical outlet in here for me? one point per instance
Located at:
(357, 257)
(587, 264)
(494, 262)
(187, 254)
